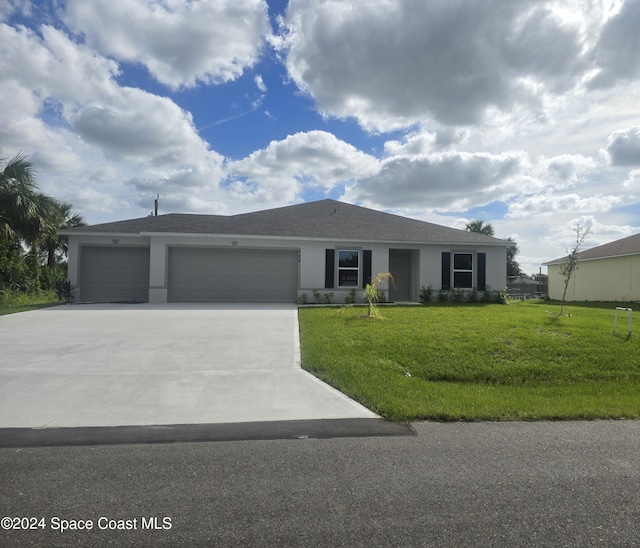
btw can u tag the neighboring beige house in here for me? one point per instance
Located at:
(276, 255)
(610, 272)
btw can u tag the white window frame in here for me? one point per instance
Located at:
(455, 270)
(355, 269)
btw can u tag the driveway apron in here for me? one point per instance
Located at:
(145, 364)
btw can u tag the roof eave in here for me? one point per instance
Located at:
(564, 259)
(499, 243)
(73, 232)
(147, 234)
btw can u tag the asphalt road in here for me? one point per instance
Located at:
(427, 484)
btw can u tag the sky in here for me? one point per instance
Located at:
(524, 114)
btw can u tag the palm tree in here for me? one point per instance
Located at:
(20, 206)
(31, 220)
(26, 214)
(62, 218)
(479, 227)
(372, 293)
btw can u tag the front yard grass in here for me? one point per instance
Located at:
(13, 302)
(478, 362)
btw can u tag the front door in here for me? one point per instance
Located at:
(400, 266)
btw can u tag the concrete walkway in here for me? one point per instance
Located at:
(142, 364)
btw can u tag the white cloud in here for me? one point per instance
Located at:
(60, 103)
(314, 159)
(633, 181)
(180, 43)
(563, 236)
(542, 239)
(617, 52)
(44, 75)
(99, 200)
(392, 64)
(22, 8)
(567, 168)
(416, 171)
(558, 173)
(552, 204)
(53, 65)
(425, 141)
(260, 83)
(417, 180)
(623, 147)
(135, 124)
(456, 181)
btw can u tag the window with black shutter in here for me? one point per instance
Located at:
(463, 270)
(348, 267)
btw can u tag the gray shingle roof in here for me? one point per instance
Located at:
(328, 219)
(626, 246)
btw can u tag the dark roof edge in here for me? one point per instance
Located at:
(584, 260)
(495, 243)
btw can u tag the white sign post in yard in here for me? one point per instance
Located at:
(615, 321)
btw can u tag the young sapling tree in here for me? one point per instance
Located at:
(570, 265)
(372, 293)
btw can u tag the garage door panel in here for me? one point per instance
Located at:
(232, 275)
(111, 274)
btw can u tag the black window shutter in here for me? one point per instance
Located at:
(366, 267)
(329, 267)
(446, 270)
(482, 271)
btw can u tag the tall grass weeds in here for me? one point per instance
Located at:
(14, 301)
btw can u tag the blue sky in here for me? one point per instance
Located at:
(523, 114)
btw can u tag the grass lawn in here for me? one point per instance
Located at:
(11, 303)
(447, 362)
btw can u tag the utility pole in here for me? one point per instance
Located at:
(155, 205)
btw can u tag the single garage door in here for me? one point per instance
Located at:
(232, 275)
(112, 274)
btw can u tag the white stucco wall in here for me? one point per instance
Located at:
(431, 265)
(496, 267)
(612, 279)
(312, 266)
(427, 268)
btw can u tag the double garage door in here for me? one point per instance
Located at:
(121, 274)
(232, 275)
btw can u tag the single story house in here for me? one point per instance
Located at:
(276, 255)
(609, 272)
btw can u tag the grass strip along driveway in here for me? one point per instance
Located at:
(519, 361)
(12, 303)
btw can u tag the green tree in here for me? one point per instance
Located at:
(480, 227)
(513, 268)
(20, 206)
(53, 245)
(14, 271)
(30, 220)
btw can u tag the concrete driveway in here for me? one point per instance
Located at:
(144, 364)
